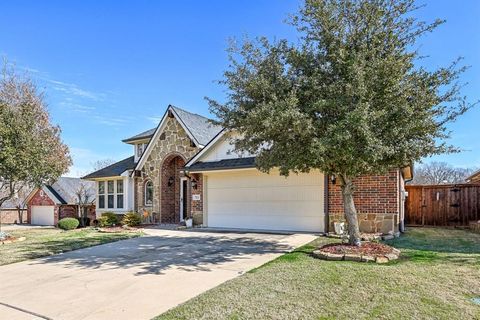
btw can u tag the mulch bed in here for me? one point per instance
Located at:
(11, 239)
(367, 252)
(118, 229)
(367, 248)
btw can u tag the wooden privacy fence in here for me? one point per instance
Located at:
(442, 205)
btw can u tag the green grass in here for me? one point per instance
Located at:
(45, 242)
(436, 277)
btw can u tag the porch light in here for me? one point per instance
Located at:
(333, 179)
(194, 184)
(170, 181)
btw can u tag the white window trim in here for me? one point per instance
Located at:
(114, 194)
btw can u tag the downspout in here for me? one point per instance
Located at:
(403, 195)
(327, 215)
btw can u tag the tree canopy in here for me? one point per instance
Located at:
(349, 98)
(31, 150)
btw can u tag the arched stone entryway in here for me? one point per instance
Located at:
(170, 188)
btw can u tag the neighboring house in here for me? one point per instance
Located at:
(185, 167)
(474, 177)
(52, 202)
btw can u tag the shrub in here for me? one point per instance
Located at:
(108, 219)
(131, 219)
(68, 223)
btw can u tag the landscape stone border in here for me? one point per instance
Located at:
(13, 240)
(394, 255)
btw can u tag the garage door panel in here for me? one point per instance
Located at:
(297, 208)
(42, 215)
(277, 193)
(312, 224)
(253, 200)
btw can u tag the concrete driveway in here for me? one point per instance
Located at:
(134, 279)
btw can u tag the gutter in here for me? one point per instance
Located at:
(327, 215)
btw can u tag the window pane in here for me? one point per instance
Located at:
(149, 193)
(101, 187)
(110, 187)
(139, 150)
(101, 202)
(119, 186)
(110, 201)
(120, 201)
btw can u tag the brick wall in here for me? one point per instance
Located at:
(40, 198)
(376, 200)
(11, 215)
(170, 204)
(71, 211)
(197, 205)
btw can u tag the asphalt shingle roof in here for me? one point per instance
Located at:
(113, 170)
(144, 135)
(65, 189)
(12, 203)
(199, 127)
(238, 163)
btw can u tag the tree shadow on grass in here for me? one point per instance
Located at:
(154, 255)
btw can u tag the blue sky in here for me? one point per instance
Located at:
(110, 68)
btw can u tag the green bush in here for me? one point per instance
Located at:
(131, 219)
(68, 223)
(108, 219)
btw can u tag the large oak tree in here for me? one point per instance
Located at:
(350, 97)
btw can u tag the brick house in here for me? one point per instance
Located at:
(185, 168)
(52, 202)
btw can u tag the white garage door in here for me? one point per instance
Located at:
(253, 200)
(42, 215)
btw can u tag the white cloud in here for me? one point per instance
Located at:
(74, 90)
(155, 119)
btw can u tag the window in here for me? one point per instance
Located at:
(140, 149)
(101, 187)
(110, 186)
(120, 194)
(119, 186)
(148, 193)
(101, 194)
(110, 201)
(101, 201)
(110, 197)
(111, 194)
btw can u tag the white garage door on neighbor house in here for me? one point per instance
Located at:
(253, 200)
(43, 215)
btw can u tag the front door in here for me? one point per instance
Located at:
(183, 199)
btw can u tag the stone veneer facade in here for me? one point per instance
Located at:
(377, 200)
(172, 142)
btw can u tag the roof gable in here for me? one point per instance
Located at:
(198, 128)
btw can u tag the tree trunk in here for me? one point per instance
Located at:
(20, 215)
(349, 210)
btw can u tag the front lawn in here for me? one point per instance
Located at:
(45, 242)
(436, 277)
